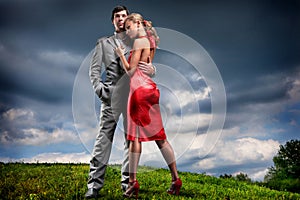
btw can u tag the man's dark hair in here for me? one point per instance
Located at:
(118, 9)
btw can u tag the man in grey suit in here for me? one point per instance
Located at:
(113, 92)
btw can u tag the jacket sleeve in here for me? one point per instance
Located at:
(95, 72)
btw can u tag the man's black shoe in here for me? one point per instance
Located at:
(92, 193)
(124, 187)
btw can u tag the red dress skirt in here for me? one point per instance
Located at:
(143, 112)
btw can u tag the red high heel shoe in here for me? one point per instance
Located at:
(133, 188)
(175, 187)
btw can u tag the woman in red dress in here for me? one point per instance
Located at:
(144, 118)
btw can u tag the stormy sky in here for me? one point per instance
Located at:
(252, 46)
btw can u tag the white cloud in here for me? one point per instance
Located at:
(248, 149)
(237, 152)
(21, 127)
(187, 123)
(258, 175)
(14, 114)
(195, 77)
(186, 97)
(54, 157)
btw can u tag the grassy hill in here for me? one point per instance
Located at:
(68, 181)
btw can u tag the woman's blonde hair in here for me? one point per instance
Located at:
(150, 30)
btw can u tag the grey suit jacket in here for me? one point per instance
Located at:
(105, 56)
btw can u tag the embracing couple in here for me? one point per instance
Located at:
(128, 90)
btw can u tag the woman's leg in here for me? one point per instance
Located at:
(135, 150)
(168, 154)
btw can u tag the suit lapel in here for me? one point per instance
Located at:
(116, 42)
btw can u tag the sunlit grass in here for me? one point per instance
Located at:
(68, 181)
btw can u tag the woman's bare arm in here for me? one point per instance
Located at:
(138, 48)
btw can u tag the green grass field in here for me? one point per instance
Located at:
(68, 181)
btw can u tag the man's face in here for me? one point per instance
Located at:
(119, 19)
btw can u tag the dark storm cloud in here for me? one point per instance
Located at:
(52, 24)
(32, 74)
(245, 37)
(242, 36)
(266, 89)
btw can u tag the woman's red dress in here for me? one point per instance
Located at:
(143, 111)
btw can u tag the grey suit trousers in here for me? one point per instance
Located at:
(103, 146)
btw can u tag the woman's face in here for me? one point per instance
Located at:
(131, 29)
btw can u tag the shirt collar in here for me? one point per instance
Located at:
(120, 36)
